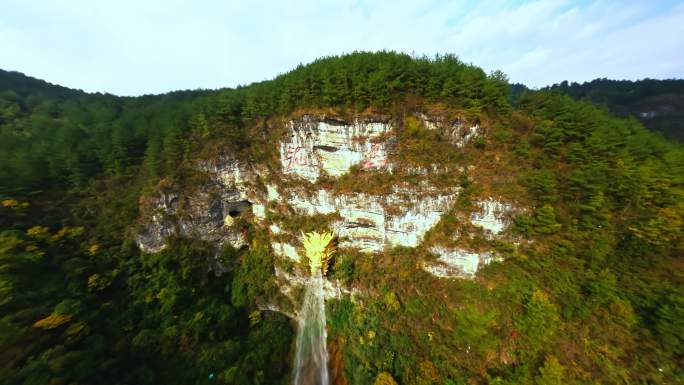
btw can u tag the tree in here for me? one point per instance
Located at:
(545, 220)
(552, 373)
(384, 378)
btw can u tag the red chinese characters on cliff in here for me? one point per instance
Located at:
(374, 157)
(295, 156)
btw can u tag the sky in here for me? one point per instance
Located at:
(134, 47)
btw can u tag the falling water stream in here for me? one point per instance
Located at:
(311, 362)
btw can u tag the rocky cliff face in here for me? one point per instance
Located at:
(208, 213)
(372, 223)
(315, 146)
(458, 132)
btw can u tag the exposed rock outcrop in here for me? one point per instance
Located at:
(459, 131)
(457, 263)
(285, 250)
(161, 224)
(492, 216)
(331, 288)
(316, 145)
(372, 223)
(208, 213)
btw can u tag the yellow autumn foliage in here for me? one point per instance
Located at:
(96, 282)
(662, 228)
(10, 203)
(384, 378)
(428, 372)
(9, 242)
(13, 204)
(60, 234)
(52, 321)
(75, 329)
(93, 249)
(38, 232)
(254, 317)
(35, 250)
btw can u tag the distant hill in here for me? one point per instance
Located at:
(658, 104)
(25, 85)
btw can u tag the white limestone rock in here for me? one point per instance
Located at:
(316, 144)
(275, 229)
(462, 135)
(207, 214)
(373, 223)
(259, 211)
(457, 263)
(320, 202)
(430, 122)
(459, 132)
(409, 227)
(285, 250)
(161, 225)
(432, 169)
(492, 216)
(276, 309)
(228, 173)
(363, 222)
(272, 193)
(332, 289)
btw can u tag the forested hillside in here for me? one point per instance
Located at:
(588, 289)
(657, 104)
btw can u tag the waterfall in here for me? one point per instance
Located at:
(311, 362)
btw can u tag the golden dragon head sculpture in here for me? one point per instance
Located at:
(319, 248)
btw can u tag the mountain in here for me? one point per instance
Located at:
(22, 85)
(657, 104)
(162, 238)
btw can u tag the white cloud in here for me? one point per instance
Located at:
(132, 47)
(549, 41)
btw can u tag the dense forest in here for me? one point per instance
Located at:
(53, 136)
(657, 104)
(595, 298)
